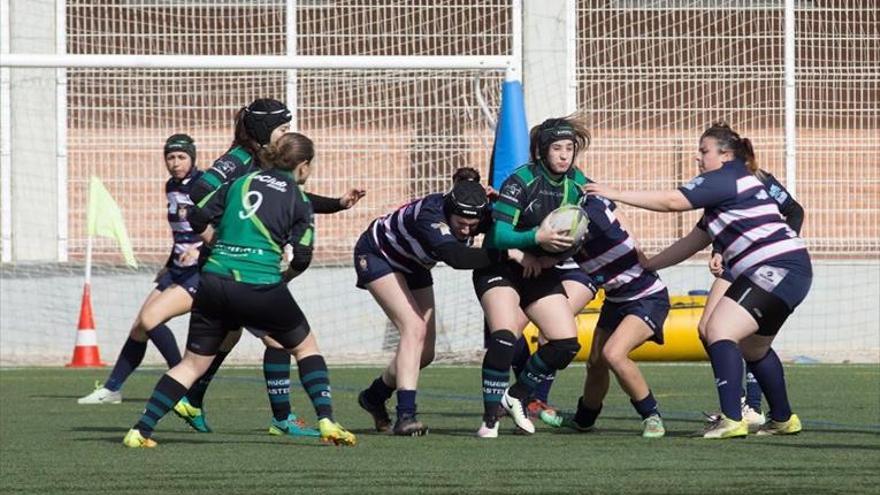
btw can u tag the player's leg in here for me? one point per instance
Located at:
(629, 334)
(171, 302)
(276, 372)
(400, 305)
(579, 290)
(596, 383)
(130, 357)
(552, 315)
(210, 320)
(505, 321)
(729, 324)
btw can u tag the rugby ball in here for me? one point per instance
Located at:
(571, 221)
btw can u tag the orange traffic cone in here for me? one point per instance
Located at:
(86, 354)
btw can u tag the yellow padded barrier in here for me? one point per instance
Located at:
(679, 332)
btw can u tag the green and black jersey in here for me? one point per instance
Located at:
(256, 215)
(526, 198)
(236, 163)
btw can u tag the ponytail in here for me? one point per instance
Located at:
(729, 140)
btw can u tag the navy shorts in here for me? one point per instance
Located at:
(579, 276)
(771, 293)
(652, 309)
(188, 278)
(370, 265)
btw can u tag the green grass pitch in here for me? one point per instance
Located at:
(49, 444)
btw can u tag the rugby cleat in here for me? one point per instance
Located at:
(488, 428)
(292, 426)
(101, 395)
(790, 427)
(518, 412)
(566, 420)
(536, 407)
(409, 426)
(652, 427)
(381, 420)
(332, 432)
(755, 418)
(193, 415)
(724, 427)
(133, 439)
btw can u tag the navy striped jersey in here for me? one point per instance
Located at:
(609, 255)
(742, 219)
(408, 236)
(779, 194)
(185, 239)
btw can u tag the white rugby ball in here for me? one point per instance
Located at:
(570, 220)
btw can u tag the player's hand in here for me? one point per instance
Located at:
(351, 197)
(531, 265)
(716, 264)
(189, 257)
(601, 190)
(547, 261)
(553, 240)
(491, 193)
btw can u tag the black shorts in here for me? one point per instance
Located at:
(767, 308)
(510, 274)
(223, 305)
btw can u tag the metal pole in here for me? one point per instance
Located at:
(291, 31)
(515, 67)
(571, 56)
(61, 128)
(790, 101)
(5, 142)
(257, 62)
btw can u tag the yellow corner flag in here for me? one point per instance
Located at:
(105, 219)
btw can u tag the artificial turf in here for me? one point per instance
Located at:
(49, 444)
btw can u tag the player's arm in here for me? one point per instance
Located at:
(695, 241)
(789, 208)
(461, 257)
(505, 215)
(202, 216)
(794, 216)
(663, 201)
(325, 205)
(302, 238)
(222, 171)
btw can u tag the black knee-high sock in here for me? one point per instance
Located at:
(521, 355)
(164, 340)
(769, 373)
(276, 371)
(316, 381)
(167, 392)
(196, 394)
(129, 359)
(496, 371)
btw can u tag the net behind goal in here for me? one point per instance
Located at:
(397, 133)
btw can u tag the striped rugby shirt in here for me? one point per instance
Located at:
(185, 239)
(609, 255)
(743, 219)
(408, 236)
